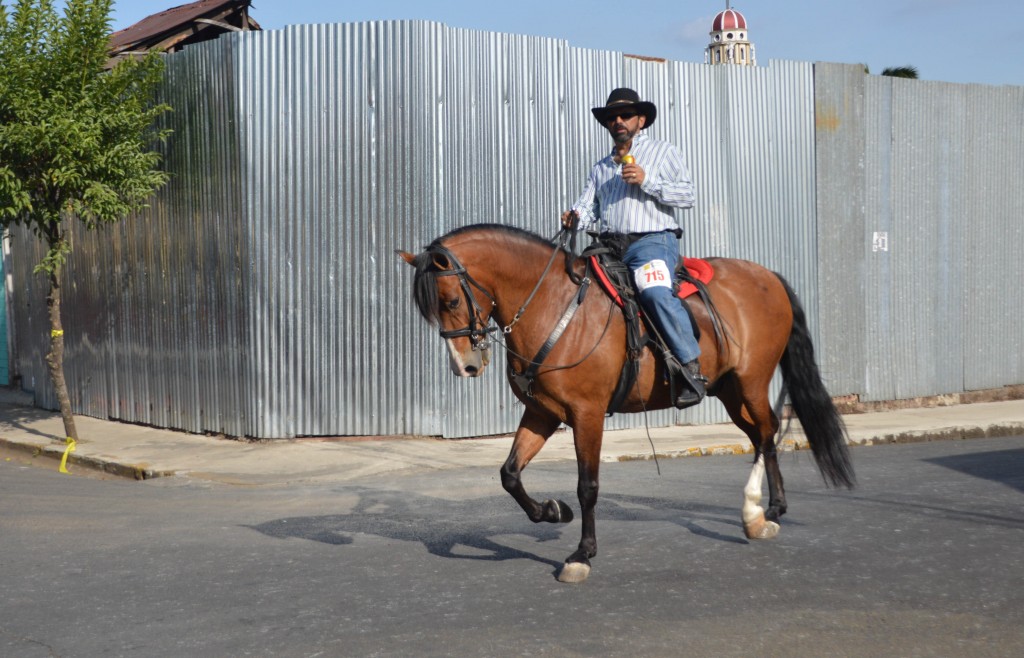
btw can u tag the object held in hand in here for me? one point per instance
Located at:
(628, 159)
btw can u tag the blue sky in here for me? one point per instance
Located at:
(979, 41)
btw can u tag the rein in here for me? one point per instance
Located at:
(547, 268)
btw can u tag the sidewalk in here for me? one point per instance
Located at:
(144, 452)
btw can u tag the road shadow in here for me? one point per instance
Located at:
(694, 517)
(447, 528)
(1002, 466)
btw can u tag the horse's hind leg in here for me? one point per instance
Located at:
(753, 414)
(534, 430)
(776, 490)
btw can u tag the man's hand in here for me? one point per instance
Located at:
(633, 174)
(570, 219)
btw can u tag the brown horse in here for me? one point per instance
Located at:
(483, 273)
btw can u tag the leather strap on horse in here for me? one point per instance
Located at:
(475, 330)
(635, 343)
(610, 265)
(709, 304)
(525, 379)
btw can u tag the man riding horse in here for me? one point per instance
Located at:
(631, 195)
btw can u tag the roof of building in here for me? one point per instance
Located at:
(174, 28)
(730, 19)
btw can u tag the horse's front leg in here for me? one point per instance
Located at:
(534, 430)
(587, 435)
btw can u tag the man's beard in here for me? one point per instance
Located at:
(625, 136)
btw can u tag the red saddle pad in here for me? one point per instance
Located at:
(699, 269)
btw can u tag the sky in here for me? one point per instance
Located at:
(967, 41)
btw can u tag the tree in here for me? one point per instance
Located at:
(901, 72)
(76, 141)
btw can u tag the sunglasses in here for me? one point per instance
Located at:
(625, 115)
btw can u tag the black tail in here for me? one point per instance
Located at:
(811, 402)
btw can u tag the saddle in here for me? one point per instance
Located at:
(604, 260)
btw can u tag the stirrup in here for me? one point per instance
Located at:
(693, 390)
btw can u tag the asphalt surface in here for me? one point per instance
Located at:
(921, 559)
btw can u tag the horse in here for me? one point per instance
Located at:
(485, 273)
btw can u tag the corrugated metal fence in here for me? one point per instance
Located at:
(920, 214)
(260, 295)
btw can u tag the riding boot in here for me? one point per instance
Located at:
(691, 382)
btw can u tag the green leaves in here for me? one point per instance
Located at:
(901, 72)
(75, 140)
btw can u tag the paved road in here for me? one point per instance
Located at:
(923, 559)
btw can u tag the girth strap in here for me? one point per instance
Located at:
(635, 343)
(525, 379)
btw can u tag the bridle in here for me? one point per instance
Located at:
(478, 331)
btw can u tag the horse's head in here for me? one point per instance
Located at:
(448, 296)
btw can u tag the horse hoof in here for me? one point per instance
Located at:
(555, 511)
(761, 529)
(574, 572)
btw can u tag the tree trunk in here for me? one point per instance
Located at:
(55, 359)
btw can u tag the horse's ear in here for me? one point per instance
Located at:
(406, 256)
(441, 262)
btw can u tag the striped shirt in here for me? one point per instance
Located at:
(616, 206)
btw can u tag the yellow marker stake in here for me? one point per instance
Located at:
(64, 459)
(56, 333)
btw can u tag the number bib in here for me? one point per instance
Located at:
(654, 274)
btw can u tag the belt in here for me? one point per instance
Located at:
(630, 238)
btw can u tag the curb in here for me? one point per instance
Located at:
(110, 467)
(957, 433)
(794, 442)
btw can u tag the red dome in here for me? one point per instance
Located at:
(730, 19)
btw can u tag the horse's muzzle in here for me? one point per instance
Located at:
(469, 362)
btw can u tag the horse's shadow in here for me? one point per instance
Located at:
(440, 525)
(692, 516)
(463, 529)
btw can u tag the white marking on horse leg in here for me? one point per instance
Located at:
(752, 492)
(755, 526)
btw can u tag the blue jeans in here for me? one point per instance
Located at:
(660, 303)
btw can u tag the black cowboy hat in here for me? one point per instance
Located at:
(621, 98)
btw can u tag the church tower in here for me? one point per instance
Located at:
(730, 42)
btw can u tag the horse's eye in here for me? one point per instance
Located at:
(454, 303)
